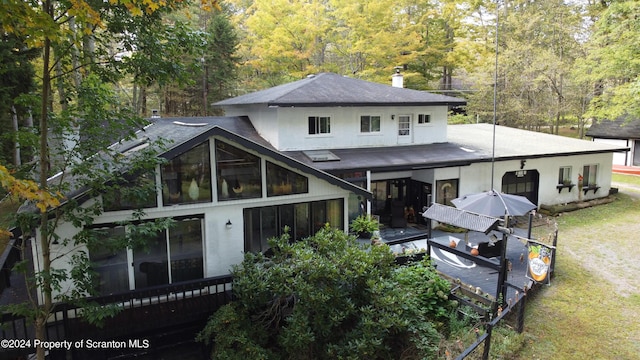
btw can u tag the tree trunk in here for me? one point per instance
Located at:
(16, 149)
(45, 308)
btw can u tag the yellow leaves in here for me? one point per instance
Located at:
(85, 13)
(28, 190)
(141, 7)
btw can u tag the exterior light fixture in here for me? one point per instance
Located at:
(229, 225)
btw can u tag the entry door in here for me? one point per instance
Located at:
(524, 183)
(404, 129)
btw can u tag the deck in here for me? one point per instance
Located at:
(170, 316)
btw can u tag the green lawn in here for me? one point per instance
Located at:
(627, 179)
(592, 308)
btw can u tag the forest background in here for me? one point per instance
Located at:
(559, 62)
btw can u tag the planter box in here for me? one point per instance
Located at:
(404, 259)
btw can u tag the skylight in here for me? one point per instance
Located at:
(321, 155)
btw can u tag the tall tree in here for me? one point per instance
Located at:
(53, 26)
(612, 64)
(16, 81)
(536, 52)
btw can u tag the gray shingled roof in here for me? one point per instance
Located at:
(182, 134)
(617, 129)
(329, 89)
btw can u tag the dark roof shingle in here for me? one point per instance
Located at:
(329, 89)
(620, 128)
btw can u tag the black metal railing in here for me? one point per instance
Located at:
(142, 313)
(9, 257)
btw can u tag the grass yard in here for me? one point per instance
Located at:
(592, 308)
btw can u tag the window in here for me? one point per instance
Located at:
(564, 175)
(187, 177)
(109, 261)
(138, 192)
(447, 191)
(169, 256)
(319, 125)
(261, 224)
(424, 119)
(239, 174)
(185, 249)
(589, 175)
(369, 123)
(281, 181)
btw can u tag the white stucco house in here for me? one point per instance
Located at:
(396, 143)
(323, 150)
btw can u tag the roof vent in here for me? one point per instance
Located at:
(311, 76)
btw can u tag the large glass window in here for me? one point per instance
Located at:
(170, 256)
(281, 181)
(139, 192)
(185, 250)
(319, 125)
(369, 123)
(187, 177)
(238, 172)
(264, 223)
(109, 261)
(150, 262)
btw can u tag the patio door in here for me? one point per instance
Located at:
(173, 255)
(404, 129)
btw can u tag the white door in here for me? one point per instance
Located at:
(404, 129)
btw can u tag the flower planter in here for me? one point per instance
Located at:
(405, 259)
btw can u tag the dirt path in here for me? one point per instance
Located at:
(613, 249)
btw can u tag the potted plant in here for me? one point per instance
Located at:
(364, 226)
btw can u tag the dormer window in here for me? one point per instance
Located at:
(369, 123)
(319, 125)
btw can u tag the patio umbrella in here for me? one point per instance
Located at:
(494, 203)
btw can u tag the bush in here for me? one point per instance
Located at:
(328, 297)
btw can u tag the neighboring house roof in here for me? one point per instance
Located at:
(182, 134)
(329, 89)
(467, 144)
(621, 128)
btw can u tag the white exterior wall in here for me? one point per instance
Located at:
(263, 118)
(477, 177)
(287, 129)
(624, 159)
(222, 247)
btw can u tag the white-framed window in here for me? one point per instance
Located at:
(424, 118)
(589, 175)
(319, 125)
(564, 175)
(369, 123)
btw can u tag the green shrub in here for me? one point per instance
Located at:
(327, 297)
